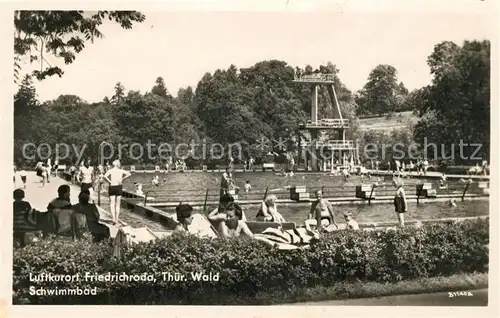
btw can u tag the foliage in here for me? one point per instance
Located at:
(382, 94)
(62, 34)
(385, 146)
(242, 105)
(228, 106)
(456, 106)
(248, 268)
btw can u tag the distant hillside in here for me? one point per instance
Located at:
(382, 123)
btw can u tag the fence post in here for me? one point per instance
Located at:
(465, 191)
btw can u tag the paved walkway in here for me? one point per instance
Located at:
(479, 298)
(39, 196)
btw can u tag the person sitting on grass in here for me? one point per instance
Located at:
(233, 226)
(99, 231)
(218, 213)
(184, 217)
(268, 211)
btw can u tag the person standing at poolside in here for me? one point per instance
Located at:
(400, 203)
(56, 166)
(250, 163)
(115, 177)
(227, 179)
(86, 176)
(23, 176)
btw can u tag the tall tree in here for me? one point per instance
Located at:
(160, 88)
(378, 96)
(25, 113)
(456, 106)
(119, 94)
(62, 34)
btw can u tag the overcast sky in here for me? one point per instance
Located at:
(182, 46)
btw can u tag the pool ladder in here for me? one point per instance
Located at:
(146, 196)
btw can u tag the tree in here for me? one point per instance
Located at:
(119, 94)
(160, 88)
(456, 106)
(378, 96)
(25, 111)
(62, 34)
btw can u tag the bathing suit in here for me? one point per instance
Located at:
(399, 203)
(327, 218)
(85, 186)
(115, 190)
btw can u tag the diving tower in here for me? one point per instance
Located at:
(337, 146)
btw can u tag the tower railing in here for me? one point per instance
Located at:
(331, 144)
(330, 122)
(315, 78)
(337, 144)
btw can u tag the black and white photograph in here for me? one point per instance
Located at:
(336, 157)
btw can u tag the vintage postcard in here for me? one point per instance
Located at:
(314, 155)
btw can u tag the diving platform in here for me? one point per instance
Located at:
(326, 123)
(318, 79)
(331, 144)
(321, 126)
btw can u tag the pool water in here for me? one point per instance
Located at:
(193, 186)
(364, 213)
(200, 181)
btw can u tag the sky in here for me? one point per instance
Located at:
(181, 46)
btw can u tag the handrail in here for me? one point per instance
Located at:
(265, 193)
(465, 190)
(370, 198)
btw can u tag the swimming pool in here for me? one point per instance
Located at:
(176, 187)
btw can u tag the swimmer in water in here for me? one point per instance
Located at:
(155, 181)
(115, 177)
(346, 174)
(138, 187)
(452, 203)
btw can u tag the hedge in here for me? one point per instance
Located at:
(249, 268)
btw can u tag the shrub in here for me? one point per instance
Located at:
(249, 268)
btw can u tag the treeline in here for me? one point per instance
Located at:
(242, 105)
